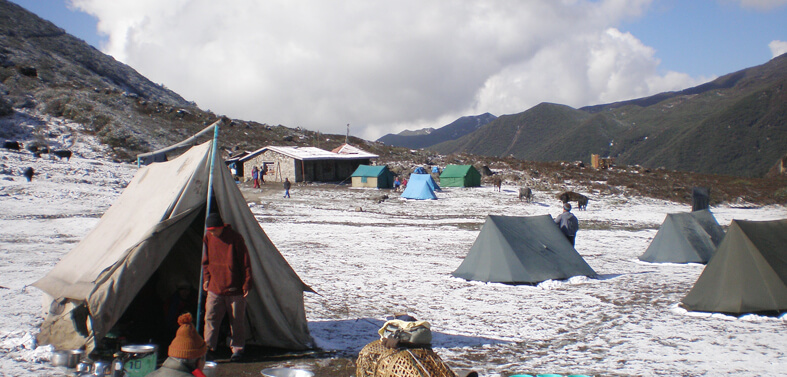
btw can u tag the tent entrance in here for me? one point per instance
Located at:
(170, 291)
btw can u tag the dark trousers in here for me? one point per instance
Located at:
(571, 239)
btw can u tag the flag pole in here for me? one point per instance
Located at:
(208, 209)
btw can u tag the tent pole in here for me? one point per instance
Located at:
(204, 228)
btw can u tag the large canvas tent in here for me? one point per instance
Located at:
(372, 176)
(151, 238)
(525, 250)
(460, 176)
(690, 237)
(748, 273)
(420, 187)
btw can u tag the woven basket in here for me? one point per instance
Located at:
(375, 360)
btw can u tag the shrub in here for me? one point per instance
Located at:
(781, 194)
(5, 106)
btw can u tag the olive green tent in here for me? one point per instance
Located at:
(460, 176)
(521, 250)
(748, 273)
(690, 237)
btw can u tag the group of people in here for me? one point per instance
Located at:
(400, 185)
(226, 270)
(258, 175)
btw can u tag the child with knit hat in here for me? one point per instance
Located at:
(186, 352)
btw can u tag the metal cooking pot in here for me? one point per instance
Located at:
(102, 368)
(84, 367)
(67, 358)
(209, 370)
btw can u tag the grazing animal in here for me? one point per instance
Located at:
(498, 182)
(13, 145)
(525, 193)
(570, 196)
(63, 153)
(28, 173)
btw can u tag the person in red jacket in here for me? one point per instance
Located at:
(226, 278)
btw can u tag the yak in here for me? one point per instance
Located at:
(570, 196)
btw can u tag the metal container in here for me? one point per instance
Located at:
(139, 360)
(286, 372)
(209, 370)
(84, 366)
(67, 358)
(102, 368)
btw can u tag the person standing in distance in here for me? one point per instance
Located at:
(227, 278)
(287, 186)
(568, 223)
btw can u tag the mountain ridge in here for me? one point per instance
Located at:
(736, 125)
(456, 129)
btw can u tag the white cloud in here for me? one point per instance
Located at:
(778, 48)
(383, 66)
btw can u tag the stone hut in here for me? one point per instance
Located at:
(303, 164)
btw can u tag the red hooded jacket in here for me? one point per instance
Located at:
(226, 266)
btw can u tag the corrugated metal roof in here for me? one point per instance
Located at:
(312, 153)
(353, 150)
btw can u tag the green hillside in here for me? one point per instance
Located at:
(736, 125)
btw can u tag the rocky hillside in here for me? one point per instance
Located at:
(736, 124)
(47, 74)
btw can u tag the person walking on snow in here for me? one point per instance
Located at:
(568, 223)
(287, 186)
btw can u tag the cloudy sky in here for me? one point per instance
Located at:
(386, 66)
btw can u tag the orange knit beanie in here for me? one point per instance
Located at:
(187, 343)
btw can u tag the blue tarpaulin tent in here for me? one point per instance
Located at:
(419, 187)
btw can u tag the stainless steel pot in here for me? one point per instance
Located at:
(84, 367)
(67, 358)
(102, 368)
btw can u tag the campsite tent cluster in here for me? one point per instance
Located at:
(420, 185)
(149, 241)
(746, 269)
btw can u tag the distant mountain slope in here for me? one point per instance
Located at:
(427, 137)
(736, 125)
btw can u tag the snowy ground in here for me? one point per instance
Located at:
(368, 259)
